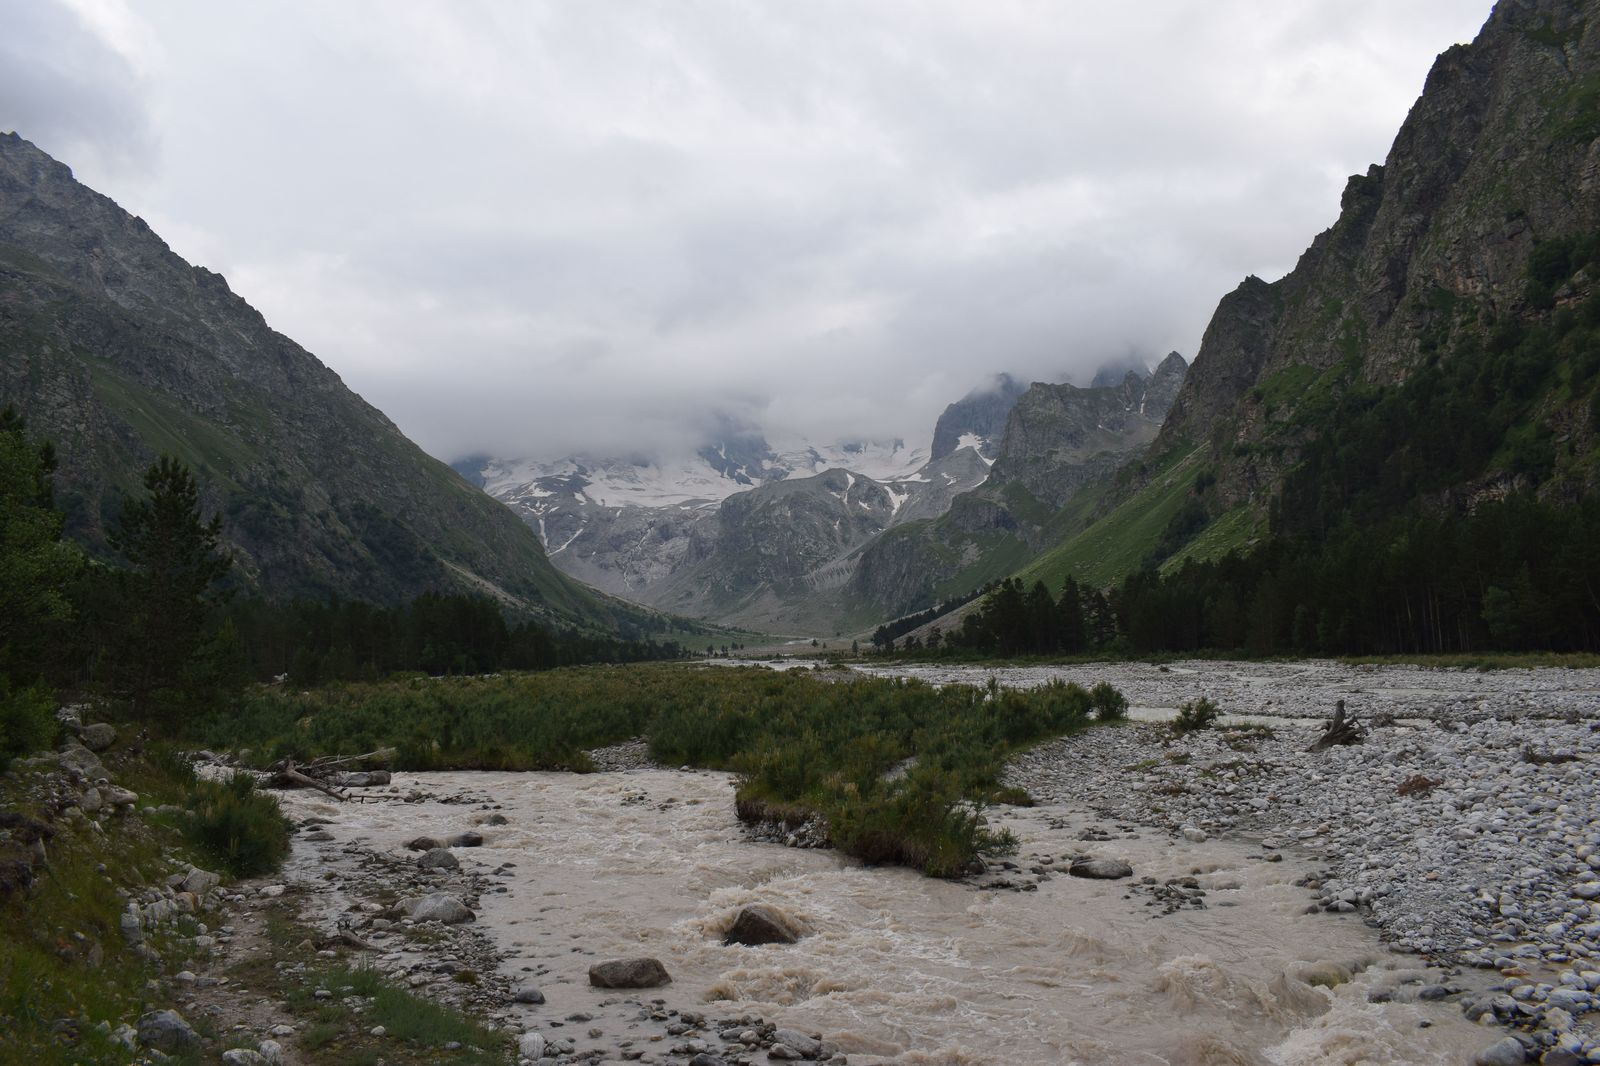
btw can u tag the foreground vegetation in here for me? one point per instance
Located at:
(898, 769)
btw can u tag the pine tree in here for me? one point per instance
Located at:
(169, 592)
(36, 565)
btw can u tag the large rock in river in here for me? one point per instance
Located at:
(438, 859)
(760, 924)
(1100, 869)
(629, 973)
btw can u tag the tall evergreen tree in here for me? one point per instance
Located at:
(36, 565)
(170, 591)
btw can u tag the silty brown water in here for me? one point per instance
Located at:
(899, 967)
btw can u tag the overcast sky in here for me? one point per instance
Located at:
(527, 228)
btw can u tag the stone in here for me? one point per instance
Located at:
(469, 839)
(705, 1058)
(119, 797)
(527, 994)
(166, 1031)
(1560, 1057)
(1194, 835)
(783, 1053)
(1100, 869)
(363, 779)
(77, 757)
(807, 1046)
(759, 924)
(272, 1051)
(438, 859)
(270, 891)
(200, 881)
(436, 907)
(240, 1056)
(424, 843)
(531, 1046)
(1507, 1052)
(629, 973)
(98, 737)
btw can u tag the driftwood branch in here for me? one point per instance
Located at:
(382, 756)
(289, 777)
(1341, 730)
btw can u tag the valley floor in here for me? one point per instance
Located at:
(1267, 883)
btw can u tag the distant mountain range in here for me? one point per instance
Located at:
(774, 536)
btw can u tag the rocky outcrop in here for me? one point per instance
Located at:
(1059, 437)
(117, 350)
(1500, 153)
(1057, 440)
(980, 414)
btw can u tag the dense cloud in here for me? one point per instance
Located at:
(527, 228)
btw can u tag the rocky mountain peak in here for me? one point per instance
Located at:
(979, 417)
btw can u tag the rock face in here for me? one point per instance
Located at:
(1500, 154)
(629, 973)
(980, 414)
(118, 350)
(1059, 437)
(759, 924)
(1057, 440)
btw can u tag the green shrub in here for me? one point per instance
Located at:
(1109, 704)
(27, 721)
(1196, 714)
(238, 827)
(802, 746)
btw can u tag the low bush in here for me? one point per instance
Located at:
(1109, 704)
(238, 827)
(898, 769)
(1196, 714)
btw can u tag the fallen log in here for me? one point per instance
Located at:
(289, 777)
(1341, 730)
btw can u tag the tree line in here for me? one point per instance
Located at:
(160, 628)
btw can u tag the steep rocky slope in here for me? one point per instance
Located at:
(1431, 250)
(1435, 348)
(118, 350)
(1058, 441)
(978, 418)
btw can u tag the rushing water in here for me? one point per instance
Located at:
(898, 967)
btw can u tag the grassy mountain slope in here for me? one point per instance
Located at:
(118, 350)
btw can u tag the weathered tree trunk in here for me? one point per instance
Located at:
(289, 777)
(1340, 731)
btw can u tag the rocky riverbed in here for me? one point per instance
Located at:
(1465, 828)
(1424, 897)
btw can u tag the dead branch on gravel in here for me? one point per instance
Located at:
(1547, 758)
(1341, 730)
